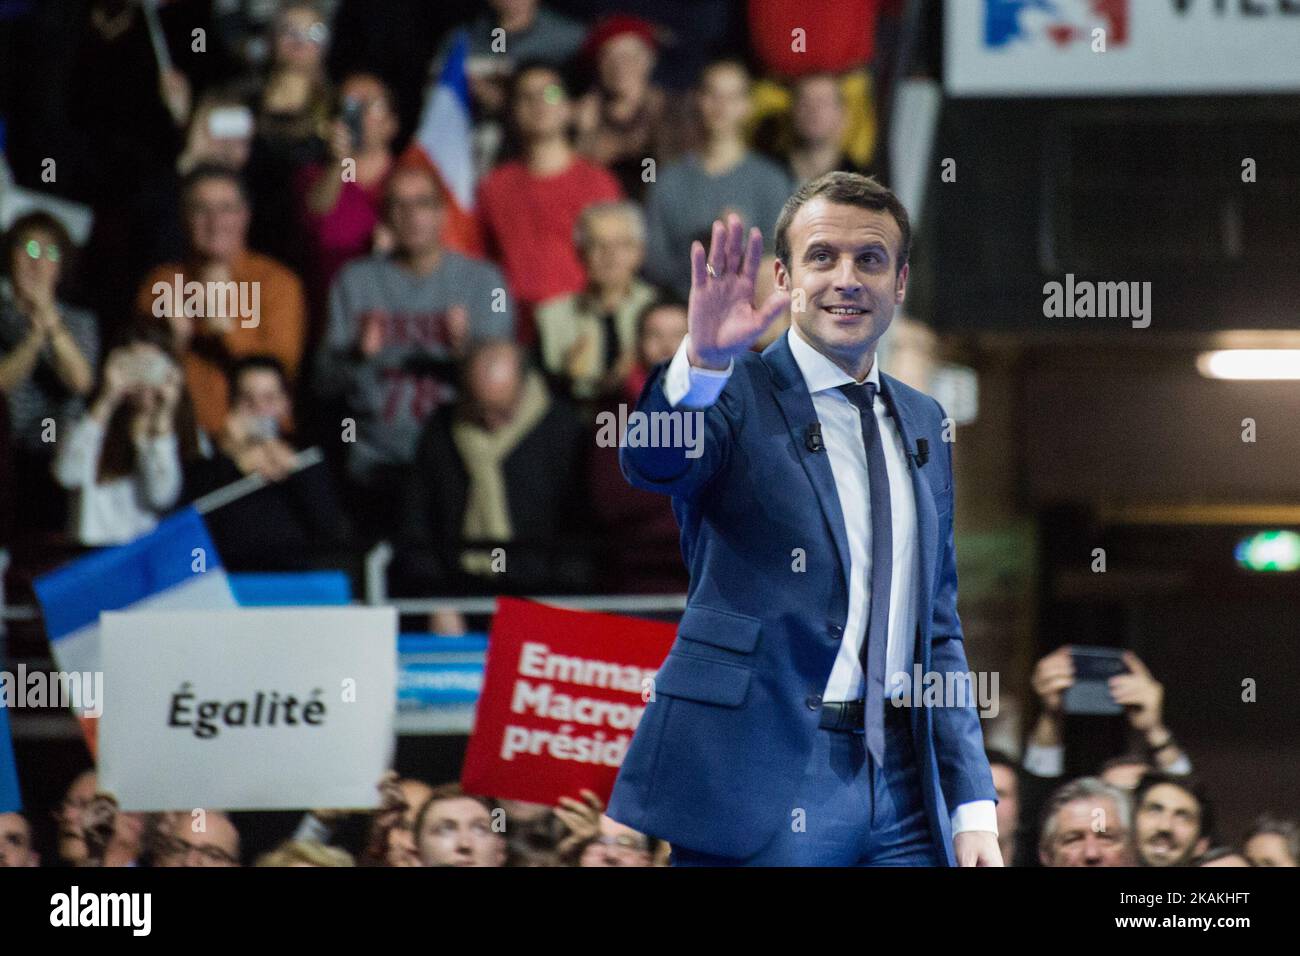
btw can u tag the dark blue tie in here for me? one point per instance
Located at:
(882, 568)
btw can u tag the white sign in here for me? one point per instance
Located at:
(1117, 47)
(252, 709)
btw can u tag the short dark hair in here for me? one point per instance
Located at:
(256, 363)
(532, 66)
(205, 171)
(1288, 830)
(1188, 784)
(443, 793)
(42, 221)
(847, 189)
(666, 301)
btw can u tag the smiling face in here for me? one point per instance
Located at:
(216, 218)
(844, 279)
(1087, 834)
(1168, 826)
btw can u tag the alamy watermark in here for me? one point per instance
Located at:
(1099, 300)
(81, 691)
(637, 429)
(133, 911)
(210, 300)
(946, 689)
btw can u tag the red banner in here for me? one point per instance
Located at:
(562, 695)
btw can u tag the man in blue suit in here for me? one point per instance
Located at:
(816, 522)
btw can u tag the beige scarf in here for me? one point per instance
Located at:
(483, 452)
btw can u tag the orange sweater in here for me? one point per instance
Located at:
(281, 315)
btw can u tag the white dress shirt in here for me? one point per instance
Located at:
(116, 511)
(1049, 761)
(692, 387)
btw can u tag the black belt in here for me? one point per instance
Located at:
(845, 715)
(849, 716)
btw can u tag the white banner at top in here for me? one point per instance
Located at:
(1121, 47)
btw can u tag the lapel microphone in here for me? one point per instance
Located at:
(812, 437)
(922, 452)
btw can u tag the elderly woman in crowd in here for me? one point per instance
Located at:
(588, 338)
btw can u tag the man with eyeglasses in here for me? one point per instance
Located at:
(398, 325)
(616, 845)
(251, 304)
(203, 838)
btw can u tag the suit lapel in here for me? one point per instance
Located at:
(927, 519)
(796, 405)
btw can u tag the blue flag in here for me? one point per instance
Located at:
(173, 567)
(11, 800)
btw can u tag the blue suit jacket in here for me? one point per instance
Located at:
(721, 747)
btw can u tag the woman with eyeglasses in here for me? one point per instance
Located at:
(296, 100)
(293, 100)
(48, 351)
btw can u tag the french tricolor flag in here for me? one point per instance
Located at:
(173, 567)
(444, 141)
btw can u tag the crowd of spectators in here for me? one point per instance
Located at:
(274, 264)
(449, 370)
(1142, 808)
